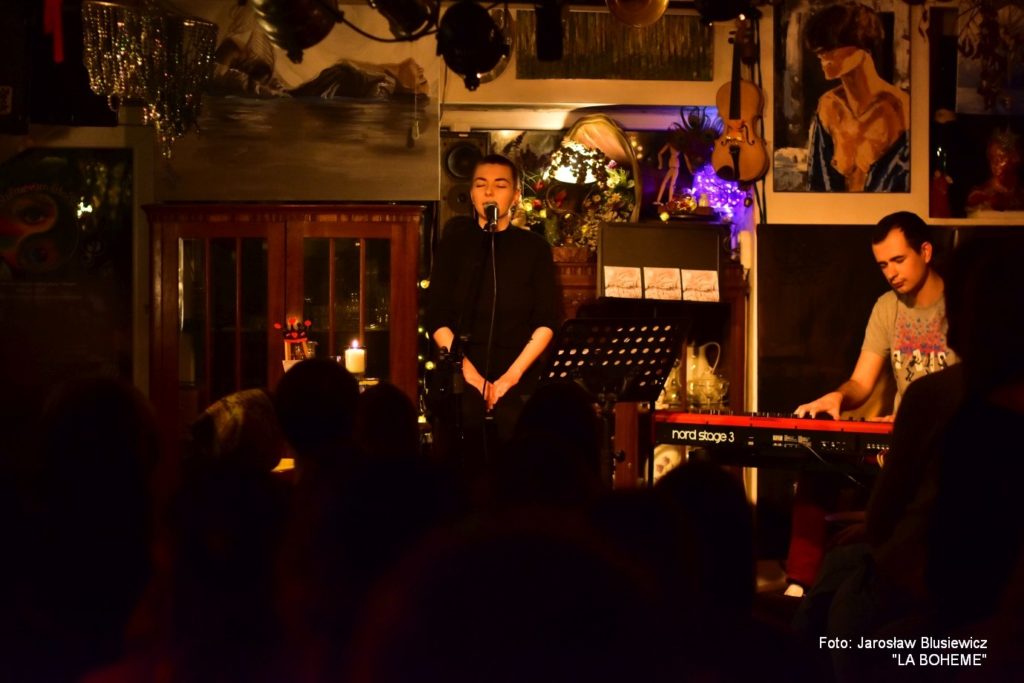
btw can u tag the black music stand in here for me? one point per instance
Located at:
(615, 359)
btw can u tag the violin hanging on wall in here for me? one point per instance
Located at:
(739, 152)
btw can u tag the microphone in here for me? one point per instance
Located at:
(491, 215)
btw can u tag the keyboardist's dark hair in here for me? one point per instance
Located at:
(913, 226)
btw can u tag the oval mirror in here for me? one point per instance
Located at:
(598, 131)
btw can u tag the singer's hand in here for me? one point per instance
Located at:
(500, 387)
(472, 377)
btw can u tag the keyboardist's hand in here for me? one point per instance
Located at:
(882, 418)
(829, 404)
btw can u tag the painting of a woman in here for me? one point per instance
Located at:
(859, 139)
(842, 106)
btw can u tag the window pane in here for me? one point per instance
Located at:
(346, 294)
(223, 261)
(191, 312)
(254, 313)
(378, 307)
(316, 283)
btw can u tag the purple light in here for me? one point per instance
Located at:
(723, 195)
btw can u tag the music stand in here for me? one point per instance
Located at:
(616, 359)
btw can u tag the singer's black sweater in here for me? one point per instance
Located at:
(462, 288)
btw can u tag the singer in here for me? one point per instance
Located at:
(492, 301)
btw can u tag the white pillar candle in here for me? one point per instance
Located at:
(355, 359)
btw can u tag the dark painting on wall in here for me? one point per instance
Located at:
(990, 74)
(65, 269)
(597, 45)
(976, 167)
(355, 120)
(842, 96)
(976, 151)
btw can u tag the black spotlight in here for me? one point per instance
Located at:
(407, 18)
(294, 25)
(470, 42)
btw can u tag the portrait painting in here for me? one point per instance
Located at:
(275, 129)
(842, 96)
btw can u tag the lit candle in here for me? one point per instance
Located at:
(355, 359)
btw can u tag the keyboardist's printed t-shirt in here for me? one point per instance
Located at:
(913, 339)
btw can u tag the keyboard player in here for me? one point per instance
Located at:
(907, 331)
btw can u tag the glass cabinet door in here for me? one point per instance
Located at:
(222, 318)
(222, 275)
(346, 295)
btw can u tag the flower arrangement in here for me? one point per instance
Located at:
(609, 201)
(566, 213)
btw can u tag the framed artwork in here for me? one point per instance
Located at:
(596, 45)
(842, 96)
(977, 145)
(276, 130)
(976, 167)
(989, 74)
(65, 268)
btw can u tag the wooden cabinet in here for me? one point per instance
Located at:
(222, 275)
(723, 321)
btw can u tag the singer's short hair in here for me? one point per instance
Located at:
(500, 160)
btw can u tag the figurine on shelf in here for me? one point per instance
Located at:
(691, 141)
(296, 339)
(672, 174)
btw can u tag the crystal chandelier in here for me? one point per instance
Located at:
(144, 52)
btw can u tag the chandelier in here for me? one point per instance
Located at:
(140, 51)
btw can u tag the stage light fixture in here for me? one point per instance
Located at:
(294, 25)
(470, 41)
(407, 19)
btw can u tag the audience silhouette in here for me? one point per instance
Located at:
(377, 563)
(89, 512)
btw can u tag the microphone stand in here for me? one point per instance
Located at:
(492, 229)
(453, 359)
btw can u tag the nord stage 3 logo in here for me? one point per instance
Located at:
(702, 435)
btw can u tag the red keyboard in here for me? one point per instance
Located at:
(775, 436)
